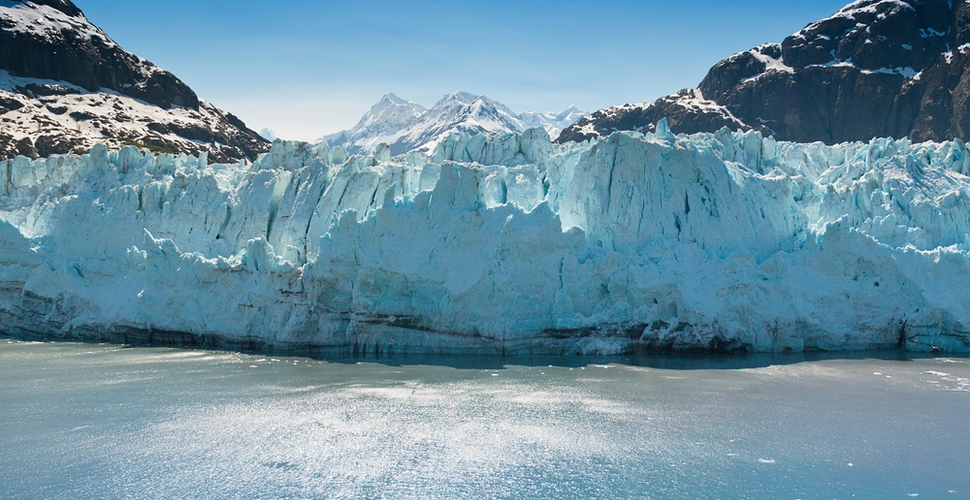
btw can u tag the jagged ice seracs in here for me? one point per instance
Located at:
(498, 244)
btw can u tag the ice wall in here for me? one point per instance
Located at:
(498, 244)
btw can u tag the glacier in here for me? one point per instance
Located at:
(497, 244)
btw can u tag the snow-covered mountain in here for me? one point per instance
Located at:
(268, 134)
(498, 244)
(553, 123)
(387, 122)
(408, 126)
(875, 68)
(66, 86)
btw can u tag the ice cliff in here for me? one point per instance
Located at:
(498, 244)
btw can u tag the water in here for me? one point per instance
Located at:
(101, 421)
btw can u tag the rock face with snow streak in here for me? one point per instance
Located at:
(65, 86)
(498, 244)
(876, 68)
(408, 126)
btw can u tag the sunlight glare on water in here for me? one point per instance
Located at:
(100, 421)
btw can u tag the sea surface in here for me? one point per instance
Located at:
(83, 421)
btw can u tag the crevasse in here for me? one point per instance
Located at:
(501, 244)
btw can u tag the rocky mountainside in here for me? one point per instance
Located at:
(876, 68)
(408, 126)
(65, 86)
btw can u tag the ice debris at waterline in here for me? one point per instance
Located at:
(498, 244)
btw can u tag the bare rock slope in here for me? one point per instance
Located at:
(65, 86)
(876, 68)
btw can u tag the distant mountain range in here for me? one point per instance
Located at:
(66, 86)
(876, 68)
(408, 126)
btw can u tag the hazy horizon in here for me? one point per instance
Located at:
(306, 69)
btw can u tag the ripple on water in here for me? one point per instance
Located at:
(132, 424)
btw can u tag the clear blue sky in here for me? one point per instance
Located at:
(305, 68)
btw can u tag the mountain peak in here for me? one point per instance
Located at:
(52, 40)
(568, 114)
(875, 68)
(65, 6)
(407, 126)
(268, 134)
(871, 5)
(390, 111)
(391, 101)
(390, 97)
(65, 85)
(874, 35)
(457, 97)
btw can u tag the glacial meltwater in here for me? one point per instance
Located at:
(102, 421)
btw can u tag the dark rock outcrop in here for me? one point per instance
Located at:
(51, 51)
(85, 56)
(686, 110)
(876, 68)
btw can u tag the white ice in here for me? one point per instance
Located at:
(501, 244)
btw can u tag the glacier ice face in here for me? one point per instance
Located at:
(497, 244)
